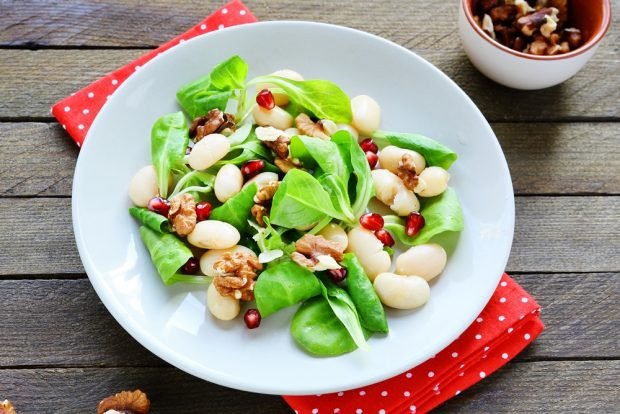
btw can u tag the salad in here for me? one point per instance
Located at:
(280, 191)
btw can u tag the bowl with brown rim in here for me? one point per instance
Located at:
(503, 48)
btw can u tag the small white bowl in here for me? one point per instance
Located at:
(524, 71)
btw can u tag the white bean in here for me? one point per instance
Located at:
(405, 202)
(281, 99)
(366, 114)
(432, 182)
(402, 292)
(263, 178)
(208, 151)
(369, 251)
(228, 182)
(335, 233)
(223, 308)
(329, 127)
(214, 234)
(143, 186)
(208, 258)
(390, 190)
(276, 117)
(390, 157)
(424, 260)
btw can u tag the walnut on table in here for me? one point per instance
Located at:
(215, 121)
(6, 407)
(125, 402)
(182, 214)
(236, 275)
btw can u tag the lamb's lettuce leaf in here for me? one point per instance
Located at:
(167, 251)
(169, 140)
(435, 153)
(150, 219)
(236, 210)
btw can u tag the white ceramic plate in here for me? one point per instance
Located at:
(173, 322)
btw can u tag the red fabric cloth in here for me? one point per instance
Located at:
(508, 323)
(506, 326)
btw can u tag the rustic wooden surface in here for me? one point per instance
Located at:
(61, 351)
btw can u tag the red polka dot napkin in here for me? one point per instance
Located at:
(505, 327)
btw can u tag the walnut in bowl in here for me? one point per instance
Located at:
(532, 44)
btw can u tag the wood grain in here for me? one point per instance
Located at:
(514, 389)
(591, 94)
(545, 158)
(115, 23)
(63, 323)
(552, 234)
(543, 387)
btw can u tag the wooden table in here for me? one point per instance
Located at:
(61, 351)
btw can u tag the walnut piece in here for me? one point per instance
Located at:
(285, 165)
(306, 126)
(258, 212)
(6, 407)
(503, 13)
(406, 172)
(126, 402)
(263, 201)
(182, 214)
(266, 192)
(528, 24)
(236, 275)
(312, 251)
(215, 121)
(279, 146)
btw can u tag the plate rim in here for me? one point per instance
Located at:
(177, 359)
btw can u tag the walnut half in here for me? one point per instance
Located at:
(236, 275)
(6, 407)
(317, 253)
(215, 121)
(182, 214)
(126, 402)
(306, 126)
(406, 171)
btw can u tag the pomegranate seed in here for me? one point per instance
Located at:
(265, 100)
(372, 159)
(337, 275)
(369, 145)
(252, 318)
(159, 205)
(372, 221)
(415, 222)
(203, 210)
(385, 237)
(191, 266)
(252, 167)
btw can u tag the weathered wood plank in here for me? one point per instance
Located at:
(553, 234)
(78, 391)
(591, 94)
(582, 387)
(566, 234)
(545, 158)
(579, 311)
(138, 24)
(543, 387)
(37, 160)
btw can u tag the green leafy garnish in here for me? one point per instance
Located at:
(169, 140)
(363, 295)
(282, 285)
(229, 74)
(236, 210)
(167, 251)
(301, 201)
(151, 219)
(441, 214)
(435, 153)
(323, 98)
